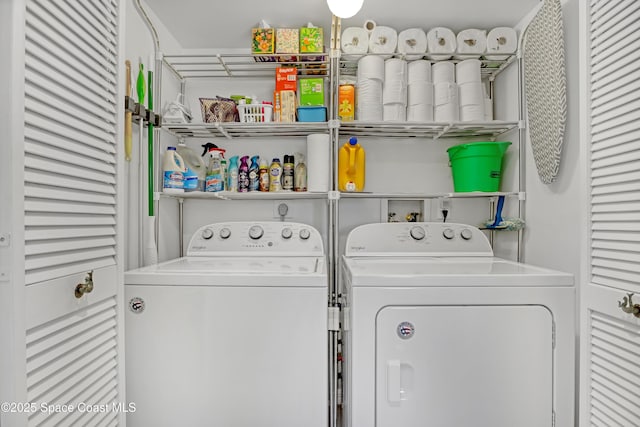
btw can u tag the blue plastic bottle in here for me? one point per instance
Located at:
(232, 184)
(243, 175)
(254, 178)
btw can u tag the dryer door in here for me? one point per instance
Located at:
(452, 366)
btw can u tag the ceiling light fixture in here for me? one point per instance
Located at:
(345, 8)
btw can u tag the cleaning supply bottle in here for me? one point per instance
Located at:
(223, 171)
(196, 169)
(287, 173)
(254, 169)
(351, 166)
(300, 174)
(232, 179)
(243, 175)
(174, 169)
(275, 175)
(263, 176)
(213, 181)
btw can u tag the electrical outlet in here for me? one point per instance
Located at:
(443, 204)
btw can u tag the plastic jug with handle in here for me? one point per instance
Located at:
(351, 166)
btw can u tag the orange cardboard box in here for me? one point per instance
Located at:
(346, 102)
(286, 78)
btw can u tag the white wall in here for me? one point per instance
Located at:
(554, 211)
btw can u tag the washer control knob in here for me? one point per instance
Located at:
(417, 233)
(207, 233)
(305, 234)
(225, 233)
(448, 234)
(286, 233)
(466, 234)
(256, 232)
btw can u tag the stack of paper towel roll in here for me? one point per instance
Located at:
(419, 91)
(394, 90)
(446, 105)
(370, 78)
(471, 90)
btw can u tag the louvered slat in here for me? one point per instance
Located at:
(70, 137)
(73, 359)
(615, 371)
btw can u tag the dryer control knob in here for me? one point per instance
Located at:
(207, 233)
(305, 234)
(286, 233)
(225, 233)
(417, 233)
(466, 234)
(448, 234)
(256, 232)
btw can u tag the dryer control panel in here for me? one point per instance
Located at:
(256, 238)
(417, 239)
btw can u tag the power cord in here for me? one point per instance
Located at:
(445, 212)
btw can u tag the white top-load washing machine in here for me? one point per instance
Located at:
(234, 334)
(439, 332)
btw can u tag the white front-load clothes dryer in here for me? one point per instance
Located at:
(439, 332)
(234, 334)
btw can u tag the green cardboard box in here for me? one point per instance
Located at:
(312, 91)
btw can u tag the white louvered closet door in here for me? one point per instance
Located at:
(610, 386)
(71, 207)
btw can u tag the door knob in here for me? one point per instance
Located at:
(84, 287)
(628, 306)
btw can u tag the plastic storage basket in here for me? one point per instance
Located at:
(255, 113)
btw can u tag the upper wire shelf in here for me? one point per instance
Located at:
(216, 65)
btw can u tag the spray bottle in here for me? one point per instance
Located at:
(263, 176)
(287, 172)
(254, 169)
(232, 179)
(213, 181)
(243, 175)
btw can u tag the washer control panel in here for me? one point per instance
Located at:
(417, 238)
(259, 238)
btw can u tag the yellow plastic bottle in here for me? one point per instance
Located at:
(351, 164)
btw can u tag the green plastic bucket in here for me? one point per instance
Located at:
(477, 166)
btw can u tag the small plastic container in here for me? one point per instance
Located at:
(255, 113)
(312, 113)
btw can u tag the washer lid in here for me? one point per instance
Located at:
(233, 271)
(448, 271)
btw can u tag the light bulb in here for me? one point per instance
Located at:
(345, 8)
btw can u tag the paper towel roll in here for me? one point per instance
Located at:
(468, 71)
(369, 25)
(419, 71)
(420, 93)
(472, 113)
(394, 113)
(371, 67)
(354, 42)
(446, 103)
(441, 43)
(412, 42)
(501, 40)
(394, 88)
(471, 43)
(383, 40)
(420, 113)
(443, 72)
(369, 100)
(318, 156)
(471, 93)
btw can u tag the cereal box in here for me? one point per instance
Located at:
(286, 78)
